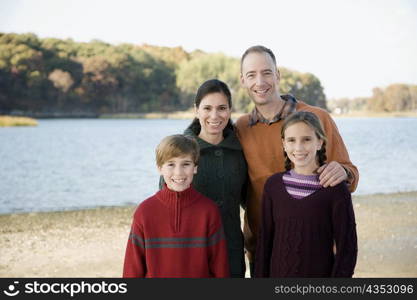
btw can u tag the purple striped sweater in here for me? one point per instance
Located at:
(300, 186)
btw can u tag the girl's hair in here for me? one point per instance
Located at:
(314, 123)
(209, 87)
(176, 145)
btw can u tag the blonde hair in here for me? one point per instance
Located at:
(175, 146)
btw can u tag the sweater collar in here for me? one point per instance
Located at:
(172, 198)
(230, 140)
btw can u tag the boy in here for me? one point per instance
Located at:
(177, 232)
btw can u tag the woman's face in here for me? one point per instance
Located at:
(213, 113)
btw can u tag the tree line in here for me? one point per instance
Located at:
(393, 98)
(49, 75)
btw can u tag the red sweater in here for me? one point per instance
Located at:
(176, 234)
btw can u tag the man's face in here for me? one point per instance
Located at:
(260, 77)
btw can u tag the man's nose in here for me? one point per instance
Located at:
(259, 79)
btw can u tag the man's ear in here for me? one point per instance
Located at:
(195, 169)
(242, 81)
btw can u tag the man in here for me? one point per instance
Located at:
(259, 134)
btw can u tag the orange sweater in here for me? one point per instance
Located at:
(263, 151)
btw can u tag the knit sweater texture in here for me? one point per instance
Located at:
(297, 235)
(263, 150)
(176, 235)
(222, 177)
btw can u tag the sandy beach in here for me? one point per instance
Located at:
(91, 243)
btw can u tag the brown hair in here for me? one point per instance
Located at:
(314, 123)
(175, 146)
(258, 49)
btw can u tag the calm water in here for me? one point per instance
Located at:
(71, 164)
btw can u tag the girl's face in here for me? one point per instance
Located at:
(301, 144)
(213, 113)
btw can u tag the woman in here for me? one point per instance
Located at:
(222, 170)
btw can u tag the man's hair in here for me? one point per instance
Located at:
(258, 49)
(176, 145)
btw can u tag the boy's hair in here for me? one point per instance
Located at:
(312, 121)
(175, 146)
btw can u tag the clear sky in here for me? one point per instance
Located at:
(350, 45)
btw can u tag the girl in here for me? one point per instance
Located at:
(302, 220)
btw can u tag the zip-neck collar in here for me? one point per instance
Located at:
(176, 202)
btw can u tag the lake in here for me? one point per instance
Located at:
(84, 163)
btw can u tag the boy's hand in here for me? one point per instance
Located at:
(332, 174)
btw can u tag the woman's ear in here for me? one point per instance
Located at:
(195, 169)
(196, 111)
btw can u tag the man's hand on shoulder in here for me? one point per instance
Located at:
(332, 174)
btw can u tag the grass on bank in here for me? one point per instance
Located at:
(7, 121)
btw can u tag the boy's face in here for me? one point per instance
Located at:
(178, 172)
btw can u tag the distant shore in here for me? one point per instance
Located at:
(91, 243)
(189, 114)
(9, 121)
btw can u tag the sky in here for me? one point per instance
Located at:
(352, 46)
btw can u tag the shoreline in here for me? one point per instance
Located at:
(91, 242)
(189, 114)
(412, 195)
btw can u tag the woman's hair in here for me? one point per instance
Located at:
(176, 145)
(209, 87)
(314, 123)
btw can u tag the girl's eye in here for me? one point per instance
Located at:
(206, 108)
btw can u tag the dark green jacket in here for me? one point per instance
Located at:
(222, 177)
